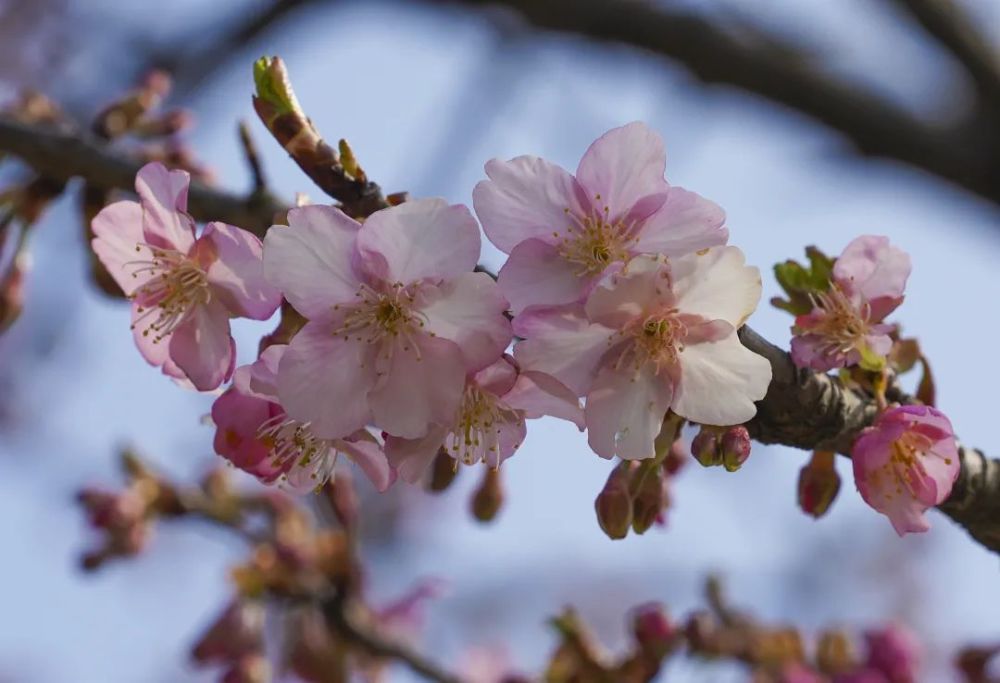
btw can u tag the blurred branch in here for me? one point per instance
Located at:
(966, 154)
(62, 155)
(948, 23)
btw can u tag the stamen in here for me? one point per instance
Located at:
(658, 339)
(842, 326)
(475, 436)
(297, 451)
(175, 287)
(592, 242)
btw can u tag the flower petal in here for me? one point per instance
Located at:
(719, 382)
(370, 457)
(623, 166)
(686, 223)
(153, 348)
(873, 268)
(625, 411)
(469, 311)
(202, 346)
(623, 296)
(420, 385)
(525, 198)
(238, 417)
(324, 380)
(420, 239)
(262, 375)
(561, 343)
(716, 284)
(412, 457)
(163, 195)
(117, 232)
(237, 272)
(538, 395)
(310, 261)
(536, 275)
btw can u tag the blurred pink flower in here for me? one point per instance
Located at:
(254, 433)
(489, 424)
(396, 316)
(183, 289)
(658, 336)
(845, 328)
(563, 231)
(895, 652)
(905, 463)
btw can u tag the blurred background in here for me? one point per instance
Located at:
(427, 92)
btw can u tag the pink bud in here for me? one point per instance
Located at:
(818, 484)
(735, 447)
(653, 630)
(648, 500)
(706, 447)
(614, 503)
(488, 498)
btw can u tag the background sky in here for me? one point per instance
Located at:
(426, 97)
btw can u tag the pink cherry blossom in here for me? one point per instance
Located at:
(254, 433)
(845, 328)
(905, 463)
(563, 231)
(895, 652)
(488, 425)
(396, 316)
(184, 289)
(657, 336)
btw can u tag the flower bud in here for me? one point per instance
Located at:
(488, 498)
(648, 499)
(238, 631)
(653, 630)
(707, 448)
(443, 471)
(735, 447)
(676, 458)
(614, 503)
(834, 654)
(818, 484)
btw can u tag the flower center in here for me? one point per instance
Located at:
(475, 436)
(294, 446)
(842, 325)
(175, 287)
(593, 242)
(657, 338)
(381, 315)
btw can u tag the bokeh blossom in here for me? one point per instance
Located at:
(845, 327)
(254, 433)
(489, 424)
(396, 316)
(658, 336)
(184, 289)
(905, 463)
(563, 232)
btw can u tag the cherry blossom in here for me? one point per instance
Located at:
(254, 433)
(563, 232)
(657, 336)
(905, 463)
(488, 425)
(396, 316)
(845, 327)
(184, 289)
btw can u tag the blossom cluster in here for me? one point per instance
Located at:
(619, 294)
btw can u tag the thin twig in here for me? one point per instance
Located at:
(252, 158)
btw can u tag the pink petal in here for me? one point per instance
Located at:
(237, 418)
(511, 436)
(561, 343)
(538, 395)
(324, 380)
(536, 275)
(686, 223)
(163, 195)
(310, 261)
(621, 297)
(154, 350)
(202, 346)
(237, 272)
(117, 231)
(262, 376)
(525, 198)
(719, 382)
(369, 456)
(716, 285)
(623, 166)
(469, 311)
(421, 239)
(625, 411)
(418, 386)
(412, 457)
(873, 268)
(499, 377)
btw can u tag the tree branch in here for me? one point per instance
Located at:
(776, 69)
(803, 409)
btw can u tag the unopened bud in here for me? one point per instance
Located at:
(488, 498)
(834, 654)
(818, 484)
(707, 447)
(676, 458)
(614, 503)
(735, 447)
(237, 632)
(443, 471)
(648, 499)
(653, 630)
